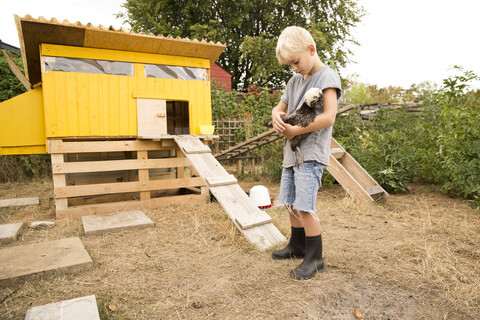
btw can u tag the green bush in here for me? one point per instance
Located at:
(10, 86)
(24, 167)
(440, 146)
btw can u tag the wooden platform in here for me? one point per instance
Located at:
(83, 308)
(50, 257)
(115, 222)
(19, 202)
(254, 223)
(92, 177)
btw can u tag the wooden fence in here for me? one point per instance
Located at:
(227, 130)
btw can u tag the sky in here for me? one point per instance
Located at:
(401, 42)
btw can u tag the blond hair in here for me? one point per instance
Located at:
(292, 41)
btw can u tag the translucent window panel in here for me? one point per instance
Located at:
(87, 66)
(175, 72)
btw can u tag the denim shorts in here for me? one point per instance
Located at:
(299, 185)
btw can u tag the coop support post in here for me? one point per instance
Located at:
(143, 175)
(59, 181)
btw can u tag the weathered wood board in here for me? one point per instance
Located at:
(254, 223)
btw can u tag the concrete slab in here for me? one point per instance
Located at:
(9, 232)
(57, 256)
(19, 202)
(114, 222)
(83, 308)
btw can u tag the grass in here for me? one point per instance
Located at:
(416, 256)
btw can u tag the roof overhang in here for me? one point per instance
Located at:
(33, 32)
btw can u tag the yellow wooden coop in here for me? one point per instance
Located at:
(99, 95)
(126, 119)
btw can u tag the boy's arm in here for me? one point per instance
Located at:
(277, 113)
(323, 120)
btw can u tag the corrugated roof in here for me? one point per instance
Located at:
(33, 32)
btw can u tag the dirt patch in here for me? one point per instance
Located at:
(417, 256)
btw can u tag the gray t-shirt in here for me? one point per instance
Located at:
(316, 147)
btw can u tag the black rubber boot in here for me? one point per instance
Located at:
(313, 261)
(295, 247)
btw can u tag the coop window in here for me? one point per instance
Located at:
(87, 66)
(175, 72)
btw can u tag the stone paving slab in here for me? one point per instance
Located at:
(43, 258)
(19, 202)
(83, 308)
(9, 232)
(114, 222)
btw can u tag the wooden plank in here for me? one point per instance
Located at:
(42, 258)
(117, 165)
(254, 223)
(180, 167)
(346, 108)
(377, 193)
(338, 153)
(239, 207)
(59, 146)
(347, 181)
(151, 117)
(76, 212)
(206, 165)
(59, 181)
(123, 187)
(335, 145)
(189, 150)
(143, 175)
(190, 144)
(270, 232)
(221, 181)
(247, 142)
(17, 72)
(356, 170)
(19, 202)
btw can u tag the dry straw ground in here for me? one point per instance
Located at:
(417, 256)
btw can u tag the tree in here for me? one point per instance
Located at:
(10, 86)
(250, 29)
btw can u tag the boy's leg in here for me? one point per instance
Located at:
(307, 182)
(296, 245)
(311, 223)
(296, 220)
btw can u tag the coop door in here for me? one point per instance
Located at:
(178, 119)
(151, 118)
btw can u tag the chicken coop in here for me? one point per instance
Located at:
(106, 104)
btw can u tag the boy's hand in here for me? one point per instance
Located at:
(291, 131)
(277, 121)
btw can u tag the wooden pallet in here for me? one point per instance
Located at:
(254, 223)
(352, 177)
(131, 190)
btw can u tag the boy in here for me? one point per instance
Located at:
(299, 184)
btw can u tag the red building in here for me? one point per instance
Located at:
(222, 76)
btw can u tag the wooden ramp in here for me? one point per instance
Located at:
(352, 177)
(249, 145)
(254, 223)
(343, 167)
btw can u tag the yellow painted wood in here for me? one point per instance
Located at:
(84, 104)
(117, 55)
(81, 104)
(5, 151)
(197, 93)
(22, 124)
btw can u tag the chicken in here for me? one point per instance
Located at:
(302, 117)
